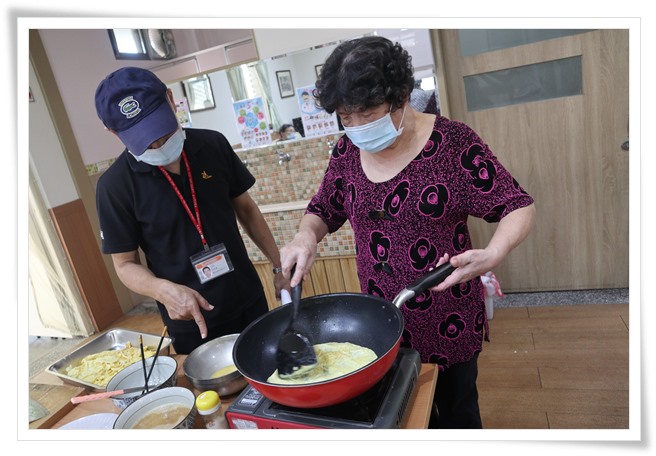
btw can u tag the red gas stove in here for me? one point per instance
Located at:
(381, 407)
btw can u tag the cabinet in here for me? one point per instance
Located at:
(273, 42)
(207, 60)
(328, 275)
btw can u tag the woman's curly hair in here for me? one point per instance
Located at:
(363, 73)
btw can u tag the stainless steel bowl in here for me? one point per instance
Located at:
(208, 359)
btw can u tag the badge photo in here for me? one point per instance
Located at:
(212, 263)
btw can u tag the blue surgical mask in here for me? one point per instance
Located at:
(167, 154)
(292, 136)
(377, 135)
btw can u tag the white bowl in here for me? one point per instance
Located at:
(163, 375)
(156, 400)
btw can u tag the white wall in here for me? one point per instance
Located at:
(81, 58)
(301, 64)
(220, 118)
(415, 41)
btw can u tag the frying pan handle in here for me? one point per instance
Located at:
(434, 277)
(296, 293)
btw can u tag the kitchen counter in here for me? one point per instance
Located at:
(416, 417)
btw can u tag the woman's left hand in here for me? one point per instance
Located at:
(469, 264)
(512, 230)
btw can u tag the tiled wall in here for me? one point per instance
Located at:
(283, 226)
(293, 181)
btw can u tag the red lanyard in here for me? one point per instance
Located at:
(195, 220)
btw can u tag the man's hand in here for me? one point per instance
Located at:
(183, 303)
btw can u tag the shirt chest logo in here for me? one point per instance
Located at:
(205, 176)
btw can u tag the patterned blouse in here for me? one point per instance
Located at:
(404, 225)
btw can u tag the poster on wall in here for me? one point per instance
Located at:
(316, 121)
(252, 122)
(182, 112)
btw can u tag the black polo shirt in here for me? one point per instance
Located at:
(137, 207)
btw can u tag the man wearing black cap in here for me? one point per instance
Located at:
(178, 194)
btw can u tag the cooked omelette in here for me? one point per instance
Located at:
(99, 368)
(334, 359)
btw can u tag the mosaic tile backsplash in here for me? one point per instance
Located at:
(291, 172)
(288, 174)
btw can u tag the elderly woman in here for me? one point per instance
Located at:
(407, 183)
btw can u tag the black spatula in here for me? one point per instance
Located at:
(295, 355)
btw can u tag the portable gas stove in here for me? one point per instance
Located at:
(381, 407)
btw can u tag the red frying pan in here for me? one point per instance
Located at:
(361, 319)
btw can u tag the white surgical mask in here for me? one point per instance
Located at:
(292, 136)
(168, 153)
(377, 135)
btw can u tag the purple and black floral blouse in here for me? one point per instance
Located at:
(404, 225)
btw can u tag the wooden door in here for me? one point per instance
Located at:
(566, 152)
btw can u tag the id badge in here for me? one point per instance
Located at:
(212, 263)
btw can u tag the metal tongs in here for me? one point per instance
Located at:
(295, 355)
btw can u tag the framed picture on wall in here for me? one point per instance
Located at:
(198, 91)
(317, 70)
(285, 83)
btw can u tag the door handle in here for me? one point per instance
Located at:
(625, 145)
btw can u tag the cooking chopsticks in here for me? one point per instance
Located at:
(143, 361)
(159, 346)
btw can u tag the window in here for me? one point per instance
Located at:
(524, 84)
(142, 44)
(474, 42)
(198, 91)
(248, 80)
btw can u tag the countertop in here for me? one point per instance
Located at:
(416, 418)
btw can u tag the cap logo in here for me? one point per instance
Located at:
(129, 107)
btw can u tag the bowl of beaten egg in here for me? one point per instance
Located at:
(210, 367)
(167, 408)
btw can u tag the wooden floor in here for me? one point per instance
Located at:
(546, 367)
(556, 367)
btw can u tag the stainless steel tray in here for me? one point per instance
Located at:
(114, 339)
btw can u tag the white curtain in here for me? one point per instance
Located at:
(56, 295)
(236, 83)
(260, 86)
(261, 80)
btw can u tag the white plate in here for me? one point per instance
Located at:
(97, 421)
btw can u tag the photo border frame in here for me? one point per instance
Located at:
(284, 78)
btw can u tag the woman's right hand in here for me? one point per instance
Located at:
(301, 251)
